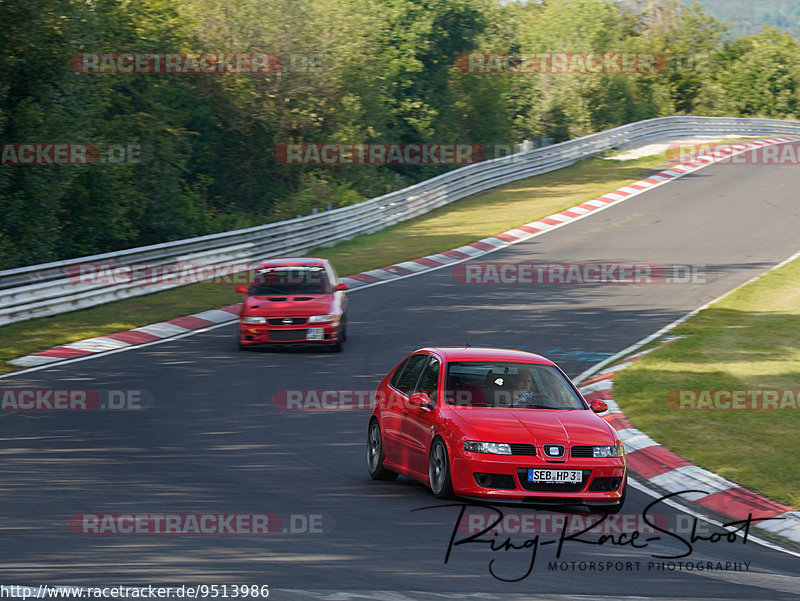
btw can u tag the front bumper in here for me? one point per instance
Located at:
(265, 334)
(512, 472)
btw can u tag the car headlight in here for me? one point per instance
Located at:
(613, 451)
(322, 318)
(495, 448)
(253, 319)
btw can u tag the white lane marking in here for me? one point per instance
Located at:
(692, 477)
(523, 234)
(635, 440)
(492, 241)
(599, 203)
(413, 266)
(162, 329)
(788, 526)
(439, 258)
(31, 360)
(214, 315)
(601, 385)
(381, 273)
(468, 250)
(577, 210)
(96, 345)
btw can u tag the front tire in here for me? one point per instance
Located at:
(375, 455)
(439, 471)
(341, 336)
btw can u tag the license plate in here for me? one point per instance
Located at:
(315, 334)
(565, 476)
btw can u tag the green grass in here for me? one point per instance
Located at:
(748, 341)
(459, 223)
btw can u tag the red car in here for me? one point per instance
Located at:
(494, 424)
(291, 302)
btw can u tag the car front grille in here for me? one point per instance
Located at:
(287, 335)
(562, 487)
(294, 321)
(522, 449)
(582, 451)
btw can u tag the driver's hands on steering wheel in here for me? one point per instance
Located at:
(523, 401)
(537, 399)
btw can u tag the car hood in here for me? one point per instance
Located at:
(537, 426)
(290, 306)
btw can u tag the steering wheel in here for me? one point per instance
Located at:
(536, 399)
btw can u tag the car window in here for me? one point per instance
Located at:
(398, 372)
(406, 376)
(429, 381)
(290, 280)
(518, 385)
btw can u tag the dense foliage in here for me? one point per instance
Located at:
(354, 71)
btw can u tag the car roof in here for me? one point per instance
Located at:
(478, 353)
(294, 262)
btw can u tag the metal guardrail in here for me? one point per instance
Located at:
(52, 288)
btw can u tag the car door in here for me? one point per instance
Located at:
(417, 423)
(401, 385)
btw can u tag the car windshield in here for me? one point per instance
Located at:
(504, 385)
(290, 280)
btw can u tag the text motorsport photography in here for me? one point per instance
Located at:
(513, 541)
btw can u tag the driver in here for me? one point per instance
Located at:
(521, 384)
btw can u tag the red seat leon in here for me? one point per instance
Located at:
(293, 302)
(495, 424)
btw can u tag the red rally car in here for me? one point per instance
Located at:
(293, 302)
(495, 424)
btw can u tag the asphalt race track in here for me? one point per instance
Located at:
(213, 440)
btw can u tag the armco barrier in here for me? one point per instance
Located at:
(41, 290)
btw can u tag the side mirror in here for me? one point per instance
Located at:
(341, 287)
(241, 289)
(598, 406)
(420, 399)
